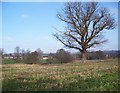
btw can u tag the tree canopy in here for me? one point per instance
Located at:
(85, 23)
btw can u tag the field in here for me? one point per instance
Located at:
(76, 76)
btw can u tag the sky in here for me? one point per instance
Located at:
(30, 25)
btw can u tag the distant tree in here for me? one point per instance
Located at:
(85, 23)
(51, 55)
(28, 51)
(17, 53)
(10, 55)
(40, 53)
(91, 55)
(51, 58)
(23, 54)
(96, 55)
(112, 54)
(32, 58)
(27, 55)
(77, 56)
(63, 56)
(100, 55)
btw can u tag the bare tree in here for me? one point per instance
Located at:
(17, 53)
(85, 24)
(40, 53)
(27, 56)
(63, 56)
(96, 55)
(23, 54)
(32, 58)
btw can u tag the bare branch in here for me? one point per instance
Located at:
(85, 23)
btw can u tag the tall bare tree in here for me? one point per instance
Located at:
(23, 54)
(17, 53)
(85, 23)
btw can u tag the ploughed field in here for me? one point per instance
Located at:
(75, 76)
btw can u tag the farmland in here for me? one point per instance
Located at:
(75, 76)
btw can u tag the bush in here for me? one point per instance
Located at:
(31, 58)
(63, 56)
(97, 55)
(52, 61)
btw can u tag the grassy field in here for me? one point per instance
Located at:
(76, 76)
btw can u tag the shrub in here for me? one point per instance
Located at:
(63, 56)
(32, 58)
(97, 55)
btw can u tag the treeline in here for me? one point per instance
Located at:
(61, 56)
(22, 55)
(96, 55)
(37, 56)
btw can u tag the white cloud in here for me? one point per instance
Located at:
(25, 16)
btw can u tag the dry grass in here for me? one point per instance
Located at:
(71, 76)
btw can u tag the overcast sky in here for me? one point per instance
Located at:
(31, 25)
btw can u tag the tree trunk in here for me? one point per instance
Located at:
(83, 56)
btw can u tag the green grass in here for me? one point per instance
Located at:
(13, 61)
(9, 61)
(76, 76)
